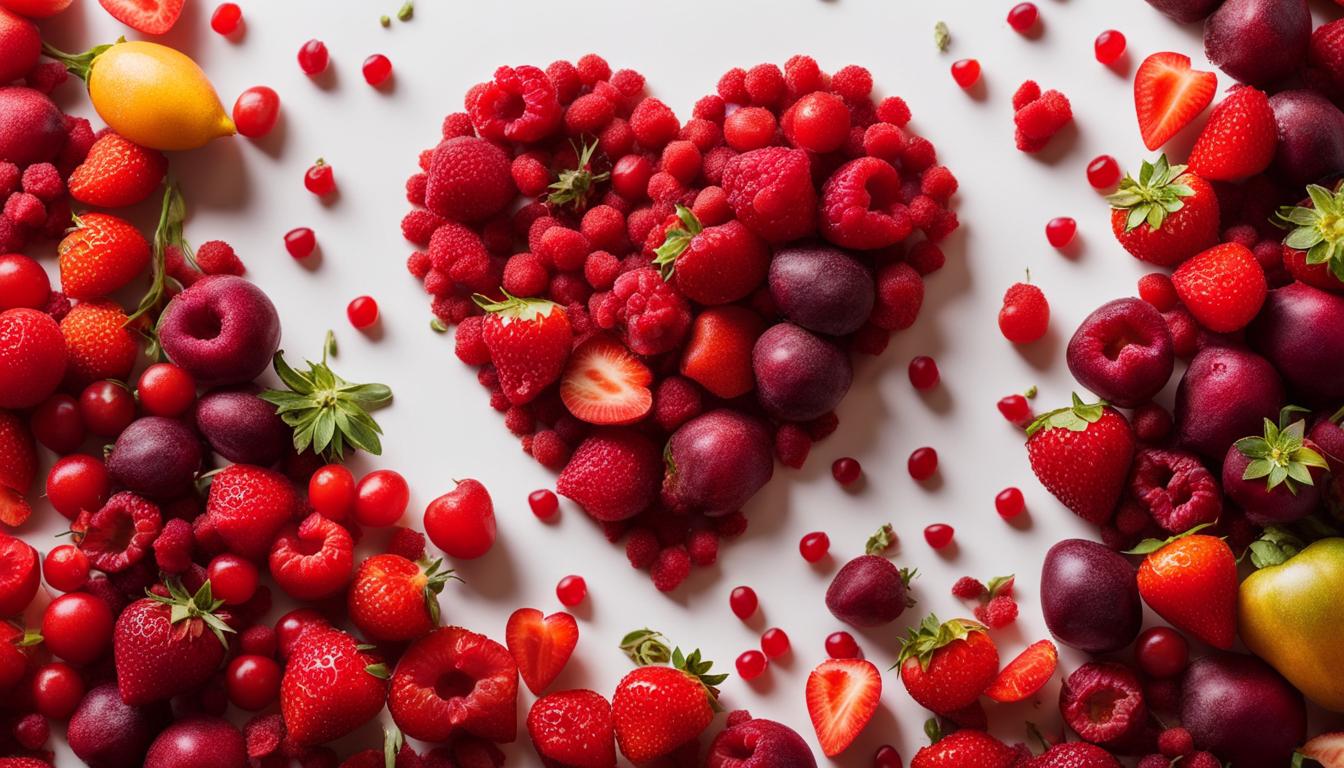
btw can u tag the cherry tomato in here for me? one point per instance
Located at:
(331, 492)
(462, 521)
(77, 627)
(381, 498)
(76, 483)
(232, 579)
(291, 625)
(66, 568)
(166, 390)
(253, 682)
(107, 407)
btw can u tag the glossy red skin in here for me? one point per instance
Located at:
(253, 682)
(19, 575)
(1240, 709)
(462, 521)
(1090, 596)
(77, 627)
(1297, 331)
(1225, 395)
(236, 354)
(109, 733)
(201, 742)
(57, 689)
(381, 498)
(759, 743)
(1122, 352)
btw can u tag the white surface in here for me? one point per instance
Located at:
(441, 427)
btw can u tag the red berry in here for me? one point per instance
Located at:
(57, 424)
(232, 579)
(252, 682)
(1009, 503)
(362, 311)
(1025, 315)
(1023, 16)
(166, 390)
(751, 664)
(313, 57)
(966, 72)
(57, 690)
(23, 282)
(291, 626)
(968, 588)
(818, 122)
(923, 463)
(1060, 231)
(774, 642)
(544, 504)
(377, 68)
(77, 627)
(300, 242)
(1016, 409)
(106, 407)
(743, 601)
(571, 590)
(846, 470)
(841, 645)
(938, 535)
(225, 18)
(814, 546)
(1103, 172)
(319, 179)
(381, 498)
(331, 492)
(924, 372)
(77, 483)
(66, 568)
(1162, 652)
(887, 757)
(256, 110)
(1157, 289)
(462, 521)
(1110, 46)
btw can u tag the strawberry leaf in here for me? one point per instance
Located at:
(1281, 455)
(1076, 418)
(881, 541)
(922, 642)
(575, 186)
(1317, 228)
(1154, 196)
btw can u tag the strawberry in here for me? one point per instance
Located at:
(101, 255)
(1168, 95)
(966, 749)
(714, 265)
(153, 17)
(842, 695)
(1074, 754)
(247, 506)
(1239, 139)
(453, 682)
(529, 341)
(17, 651)
(1326, 52)
(1313, 251)
(1026, 674)
(18, 467)
(98, 342)
(572, 729)
(946, 666)
(657, 708)
(1166, 216)
(1191, 581)
(117, 173)
(1326, 749)
(540, 646)
(331, 686)
(163, 646)
(19, 575)
(605, 384)
(394, 600)
(718, 355)
(1223, 287)
(1081, 454)
(32, 357)
(614, 474)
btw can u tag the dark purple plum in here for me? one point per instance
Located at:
(758, 743)
(1311, 137)
(869, 591)
(242, 427)
(1123, 352)
(1237, 707)
(1298, 329)
(156, 457)
(822, 289)
(1225, 395)
(1328, 435)
(799, 375)
(31, 128)
(717, 461)
(222, 330)
(1186, 10)
(1258, 41)
(1265, 506)
(1090, 596)
(199, 742)
(104, 732)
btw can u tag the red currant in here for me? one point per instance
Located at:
(814, 546)
(300, 242)
(544, 504)
(252, 682)
(106, 407)
(77, 483)
(313, 57)
(887, 757)
(57, 690)
(1162, 652)
(743, 601)
(924, 372)
(966, 72)
(225, 18)
(1016, 409)
(362, 311)
(377, 68)
(256, 110)
(1103, 172)
(1009, 503)
(1023, 16)
(232, 579)
(1060, 231)
(166, 390)
(57, 424)
(774, 642)
(750, 665)
(841, 645)
(331, 492)
(381, 498)
(571, 590)
(23, 282)
(320, 179)
(846, 470)
(77, 627)
(923, 463)
(66, 568)
(291, 625)
(1110, 46)
(939, 535)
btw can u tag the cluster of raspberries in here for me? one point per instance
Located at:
(562, 183)
(1039, 116)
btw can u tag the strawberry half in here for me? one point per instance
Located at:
(1026, 674)
(842, 695)
(1168, 95)
(18, 467)
(540, 646)
(606, 384)
(529, 341)
(153, 17)
(1239, 139)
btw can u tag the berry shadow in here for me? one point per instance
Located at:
(1060, 145)
(492, 577)
(273, 143)
(1123, 65)
(185, 35)
(1075, 249)
(326, 80)
(1036, 31)
(313, 261)
(375, 332)
(214, 177)
(933, 484)
(939, 399)
(979, 91)
(388, 86)
(1022, 521)
(1041, 354)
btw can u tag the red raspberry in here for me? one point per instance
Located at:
(792, 444)
(563, 248)
(817, 122)
(1269, 253)
(437, 283)
(925, 211)
(1175, 742)
(549, 450)
(771, 191)
(925, 257)
(711, 207)
(47, 76)
(418, 226)
(919, 153)
(569, 288)
(566, 80)
(216, 257)
(601, 269)
(749, 128)
(589, 114)
(629, 82)
(457, 124)
(415, 188)
(732, 86)
(1026, 93)
(640, 223)
(530, 174)
(79, 138)
(452, 243)
(716, 162)
(671, 568)
(10, 177)
(519, 421)
(703, 548)
(802, 76)
(172, 548)
(854, 83)
(1157, 289)
(664, 188)
(520, 105)
(675, 402)
(592, 68)
(947, 224)
(1045, 116)
(25, 210)
(681, 159)
(1175, 489)
(968, 588)
(1201, 760)
(642, 548)
(871, 340)
(704, 134)
(1025, 315)
(1184, 332)
(616, 139)
(655, 318)
(604, 227)
(1132, 518)
(884, 141)
(407, 542)
(43, 181)
(1152, 423)
(1000, 612)
(469, 342)
(938, 183)
(1243, 234)
(764, 84)
(654, 123)
(900, 294)
(32, 732)
(470, 180)
(710, 108)
(893, 110)
(860, 206)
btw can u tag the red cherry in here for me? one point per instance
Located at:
(77, 627)
(313, 57)
(377, 68)
(225, 18)
(774, 642)
(462, 521)
(57, 424)
(66, 568)
(106, 407)
(571, 590)
(630, 176)
(1103, 172)
(814, 546)
(232, 579)
(924, 372)
(1023, 16)
(544, 504)
(923, 463)
(1060, 231)
(750, 665)
(166, 390)
(1162, 652)
(76, 483)
(57, 690)
(23, 282)
(291, 625)
(320, 179)
(362, 311)
(743, 601)
(939, 535)
(846, 470)
(841, 645)
(966, 72)
(256, 110)
(1009, 503)
(252, 682)
(887, 757)
(1110, 46)
(1016, 409)
(300, 242)
(381, 498)
(331, 492)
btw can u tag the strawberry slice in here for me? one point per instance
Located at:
(842, 695)
(14, 509)
(606, 384)
(153, 17)
(1026, 674)
(1168, 94)
(1326, 749)
(541, 646)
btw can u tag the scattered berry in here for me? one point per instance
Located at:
(1025, 315)
(751, 664)
(571, 590)
(1110, 46)
(1009, 503)
(319, 179)
(256, 110)
(841, 645)
(544, 504)
(966, 72)
(968, 588)
(300, 242)
(846, 470)
(377, 68)
(313, 57)
(1022, 17)
(923, 463)
(362, 312)
(814, 546)
(924, 372)
(1060, 231)
(774, 643)
(743, 601)
(1103, 172)
(1016, 410)
(226, 18)
(939, 535)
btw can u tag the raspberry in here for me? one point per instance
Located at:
(1153, 761)
(925, 257)
(604, 227)
(425, 159)
(32, 731)
(520, 105)
(1175, 488)
(732, 86)
(43, 181)
(216, 257)
(1000, 612)
(968, 588)
(616, 139)
(893, 110)
(589, 114)
(592, 68)
(884, 141)
(25, 210)
(1269, 253)
(1184, 332)
(900, 294)
(549, 450)
(118, 535)
(263, 735)
(1243, 234)
(1202, 760)
(519, 421)
(854, 83)
(438, 284)
(79, 138)
(469, 344)
(457, 124)
(655, 318)
(530, 174)
(671, 568)
(1175, 742)
(918, 154)
(1152, 423)
(654, 123)
(802, 76)
(570, 289)
(938, 183)
(565, 79)
(1132, 518)
(10, 177)
(710, 108)
(629, 82)
(860, 206)
(764, 84)
(418, 226)
(47, 76)
(525, 275)
(792, 444)
(601, 269)
(664, 188)
(172, 548)
(1044, 117)
(642, 548)
(871, 340)
(1157, 289)
(1103, 702)
(1025, 315)
(682, 160)
(1026, 93)
(453, 243)
(701, 133)
(407, 542)
(415, 188)
(771, 191)
(675, 402)
(703, 548)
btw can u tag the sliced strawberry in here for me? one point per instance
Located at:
(14, 509)
(1026, 674)
(1168, 94)
(153, 17)
(1326, 749)
(606, 384)
(541, 646)
(842, 695)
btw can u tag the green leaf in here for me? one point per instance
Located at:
(1257, 469)
(406, 11)
(1153, 196)
(881, 541)
(1304, 238)
(326, 412)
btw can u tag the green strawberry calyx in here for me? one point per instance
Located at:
(436, 577)
(1149, 546)
(200, 606)
(574, 186)
(880, 542)
(393, 741)
(513, 308)
(1156, 194)
(1318, 229)
(646, 647)
(1281, 455)
(1075, 418)
(677, 241)
(923, 641)
(78, 64)
(1275, 546)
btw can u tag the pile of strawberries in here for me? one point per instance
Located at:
(606, 265)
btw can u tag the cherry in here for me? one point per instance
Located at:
(1023, 16)
(106, 407)
(922, 463)
(57, 424)
(571, 590)
(750, 665)
(462, 521)
(57, 690)
(362, 311)
(544, 504)
(1103, 172)
(924, 372)
(256, 110)
(252, 682)
(846, 470)
(77, 627)
(225, 18)
(818, 122)
(774, 642)
(1162, 652)
(76, 483)
(23, 282)
(1025, 316)
(166, 390)
(1110, 46)
(291, 625)
(939, 535)
(743, 601)
(300, 242)
(66, 568)
(886, 757)
(841, 645)
(1016, 409)
(381, 498)
(257, 640)
(313, 57)
(331, 492)
(630, 176)
(320, 179)
(377, 68)
(966, 72)
(1009, 503)
(232, 579)
(814, 546)
(1060, 231)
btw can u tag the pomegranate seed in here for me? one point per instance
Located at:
(750, 665)
(362, 311)
(544, 504)
(966, 72)
(377, 68)
(1103, 172)
(225, 18)
(774, 642)
(1010, 503)
(743, 601)
(924, 372)
(1016, 409)
(571, 590)
(320, 179)
(1060, 231)
(300, 242)
(841, 645)
(938, 535)
(814, 546)
(886, 757)
(923, 463)
(313, 57)
(1110, 46)
(1023, 16)
(846, 470)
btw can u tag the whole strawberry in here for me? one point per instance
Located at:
(966, 749)
(394, 600)
(1166, 215)
(18, 466)
(247, 506)
(1239, 139)
(946, 666)
(529, 341)
(657, 708)
(331, 686)
(1313, 251)
(163, 646)
(1074, 754)
(117, 173)
(1326, 53)
(1081, 454)
(1223, 287)
(32, 357)
(712, 265)
(1191, 581)
(101, 255)
(98, 342)
(572, 729)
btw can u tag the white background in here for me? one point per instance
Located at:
(441, 427)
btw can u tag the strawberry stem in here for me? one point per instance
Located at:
(78, 64)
